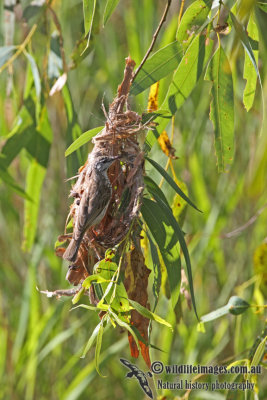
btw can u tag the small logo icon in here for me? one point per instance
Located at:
(139, 375)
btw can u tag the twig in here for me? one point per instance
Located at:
(163, 18)
(59, 292)
(21, 48)
(181, 12)
(251, 221)
(61, 48)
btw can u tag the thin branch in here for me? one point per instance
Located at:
(239, 230)
(163, 18)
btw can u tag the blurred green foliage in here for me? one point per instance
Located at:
(40, 340)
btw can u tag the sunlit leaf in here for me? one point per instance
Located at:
(83, 139)
(109, 9)
(250, 73)
(222, 107)
(91, 340)
(159, 65)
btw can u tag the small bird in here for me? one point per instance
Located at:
(93, 205)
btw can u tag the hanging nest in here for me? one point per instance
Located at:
(118, 138)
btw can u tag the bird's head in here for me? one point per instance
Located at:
(105, 162)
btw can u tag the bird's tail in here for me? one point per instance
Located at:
(71, 251)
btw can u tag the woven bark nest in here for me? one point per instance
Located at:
(118, 138)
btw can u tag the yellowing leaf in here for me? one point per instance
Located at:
(153, 97)
(166, 146)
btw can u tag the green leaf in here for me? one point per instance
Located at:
(91, 340)
(250, 73)
(159, 65)
(222, 107)
(241, 33)
(164, 235)
(125, 325)
(148, 314)
(78, 295)
(114, 291)
(87, 283)
(89, 7)
(171, 182)
(109, 9)
(259, 352)
(262, 5)
(184, 80)
(193, 18)
(237, 305)
(34, 182)
(98, 347)
(180, 236)
(83, 139)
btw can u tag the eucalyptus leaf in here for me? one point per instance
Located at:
(159, 65)
(222, 107)
(193, 18)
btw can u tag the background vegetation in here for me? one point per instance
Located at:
(41, 341)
